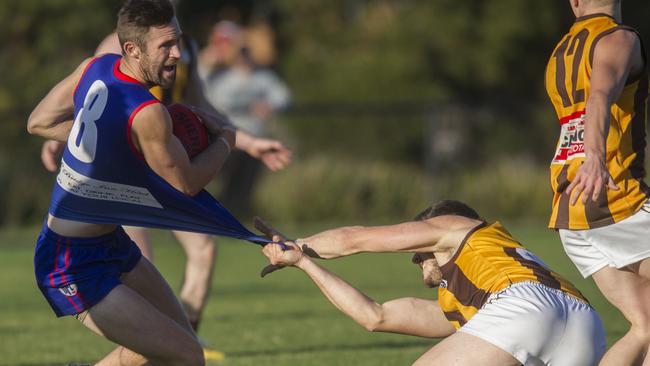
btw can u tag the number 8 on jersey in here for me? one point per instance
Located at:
(82, 142)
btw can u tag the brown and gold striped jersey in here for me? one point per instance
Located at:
(488, 261)
(568, 83)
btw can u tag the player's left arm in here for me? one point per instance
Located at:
(409, 315)
(51, 153)
(271, 152)
(616, 57)
(53, 116)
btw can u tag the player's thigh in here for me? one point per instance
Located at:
(128, 319)
(626, 289)
(462, 349)
(150, 284)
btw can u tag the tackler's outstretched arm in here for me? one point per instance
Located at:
(411, 316)
(415, 236)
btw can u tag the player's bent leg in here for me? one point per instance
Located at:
(462, 349)
(128, 319)
(141, 238)
(145, 279)
(629, 292)
(201, 256)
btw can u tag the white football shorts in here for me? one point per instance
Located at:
(616, 245)
(539, 325)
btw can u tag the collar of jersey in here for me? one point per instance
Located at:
(594, 15)
(122, 76)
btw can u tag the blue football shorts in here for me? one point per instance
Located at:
(74, 274)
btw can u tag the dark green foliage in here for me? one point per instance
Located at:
(42, 41)
(372, 79)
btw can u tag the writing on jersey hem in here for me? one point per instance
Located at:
(80, 185)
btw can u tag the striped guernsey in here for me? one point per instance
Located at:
(568, 77)
(488, 260)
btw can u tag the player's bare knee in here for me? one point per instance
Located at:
(639, 317)
(641, 331)
(640, 325)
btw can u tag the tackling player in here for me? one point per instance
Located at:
(498, 304)
(597, 81)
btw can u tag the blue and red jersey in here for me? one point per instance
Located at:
(105, 180)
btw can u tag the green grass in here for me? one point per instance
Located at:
(279, 320)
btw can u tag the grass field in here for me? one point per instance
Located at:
(278, 320)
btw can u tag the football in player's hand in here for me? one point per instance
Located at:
(189, 129)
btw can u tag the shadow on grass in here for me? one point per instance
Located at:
(261, 288)
(309, 349)
(274, 315)
(331, 347)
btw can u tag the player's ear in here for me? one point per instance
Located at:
(131, 50)
(575, 4)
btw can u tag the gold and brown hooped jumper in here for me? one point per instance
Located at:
(488, 261)
(568, 84)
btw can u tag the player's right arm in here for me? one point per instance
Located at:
(53, 116)
(414, 237)
(616, 57)
(152, 134)
(409, 315)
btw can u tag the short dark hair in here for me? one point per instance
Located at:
(136, 17)
(448, 207)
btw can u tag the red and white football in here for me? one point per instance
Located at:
(189, 129)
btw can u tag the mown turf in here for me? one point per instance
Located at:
(279, 320)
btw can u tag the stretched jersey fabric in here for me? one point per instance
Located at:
(488, 261)
(105, 180)
(568, 85)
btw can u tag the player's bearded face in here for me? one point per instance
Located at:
(431, 274)
(161, 53)
(158, 72)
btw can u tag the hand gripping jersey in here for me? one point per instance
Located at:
(568, 84)
(488, 261)
(105, 180)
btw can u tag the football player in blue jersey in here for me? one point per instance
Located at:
(119, 145)
(200, 249)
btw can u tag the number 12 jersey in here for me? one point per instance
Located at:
(567, 82)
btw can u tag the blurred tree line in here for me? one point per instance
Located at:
(375, 83)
